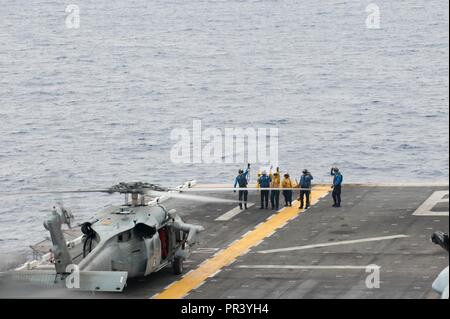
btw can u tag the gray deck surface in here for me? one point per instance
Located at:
(407, 265)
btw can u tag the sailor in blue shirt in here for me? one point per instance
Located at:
(337, 183)
(264, 182)
(242, 181)
(305, 188)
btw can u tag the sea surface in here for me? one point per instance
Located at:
(93, 106)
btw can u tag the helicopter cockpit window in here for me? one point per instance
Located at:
(124, 237)
(144, 230)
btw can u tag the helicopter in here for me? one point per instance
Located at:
(132, 240)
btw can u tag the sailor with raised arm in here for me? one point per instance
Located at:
(242, 181)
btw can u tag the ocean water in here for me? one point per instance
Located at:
(93, 106)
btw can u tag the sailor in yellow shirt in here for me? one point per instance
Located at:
(257, 180)
(287, 192)
(275, 193)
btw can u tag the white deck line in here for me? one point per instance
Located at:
(345, 242)
(232, 213)
(304, 267)
(426, 209)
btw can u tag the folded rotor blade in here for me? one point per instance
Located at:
(197, 198)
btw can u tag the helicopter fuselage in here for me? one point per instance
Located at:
(139, 240)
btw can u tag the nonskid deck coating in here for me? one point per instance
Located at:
(408, 265)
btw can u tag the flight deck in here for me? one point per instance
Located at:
(377, 245)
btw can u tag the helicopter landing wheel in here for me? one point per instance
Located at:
(177, 265)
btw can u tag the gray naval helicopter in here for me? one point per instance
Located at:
(133, 240)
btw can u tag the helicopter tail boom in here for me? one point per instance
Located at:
(60, 251)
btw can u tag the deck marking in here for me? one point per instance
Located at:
(345, 242)
(426, 209)
(232, 213)
(302, 267)
(228, 255)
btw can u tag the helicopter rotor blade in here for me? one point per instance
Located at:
(231, 189)
(54, 192)
(197, 198)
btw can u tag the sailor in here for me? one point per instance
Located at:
(305, 188)
(337, 183)
(275, 193)
(257, 179)
(287, 186)
(264, 183)
(242, 181)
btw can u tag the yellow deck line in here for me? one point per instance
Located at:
(225, 257)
